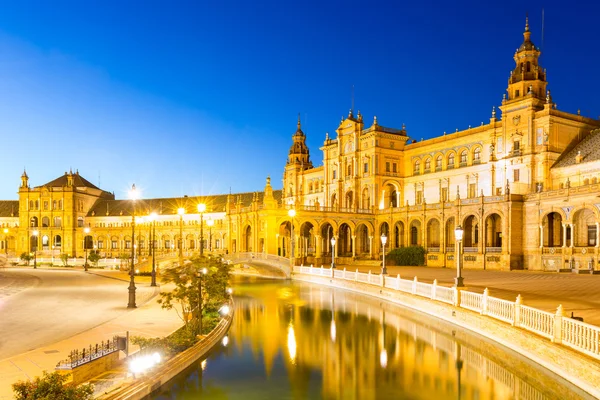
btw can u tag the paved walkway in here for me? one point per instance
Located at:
(148, 320)
(543, 290)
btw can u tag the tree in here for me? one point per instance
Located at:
(94, 257)
(26, 257)
(52, 386)
(185, 297)
(64, 258)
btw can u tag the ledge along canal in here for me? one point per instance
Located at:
(292, 340)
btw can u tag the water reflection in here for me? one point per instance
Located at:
(296, 341)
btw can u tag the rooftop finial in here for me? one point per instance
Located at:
(299, 125)
(493, 111)
(526, 23)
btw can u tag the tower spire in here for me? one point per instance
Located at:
(299, 125)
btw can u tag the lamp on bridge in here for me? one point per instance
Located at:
(35, 235)
(181, 212)
(292, 214)
(6, 242)
(133, 195)
(210, 222)
(332, 252)
(383, 242)
(86, 230)
(458, 235)
(152, 218)
(200, 276)
(201, 210)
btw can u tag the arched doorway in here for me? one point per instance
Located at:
(362, 240)
(471, 233)
(493, 231)
(399, 235)
(33, 243)
(326, 231)
(344, 241)
(415, 233)
(449, 233)
(349, 199)
(584, 226)
(433, 235)
(284, 239)
(552, 224)
(247, 239)
(307, 244)
(365, 199)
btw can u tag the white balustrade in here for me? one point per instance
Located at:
(503, 310)
(472, 301)
(581, 336)
(537, 321)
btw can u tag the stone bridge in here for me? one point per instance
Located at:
(265, 264)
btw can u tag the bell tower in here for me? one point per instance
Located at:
(298, 161)
(528, 79)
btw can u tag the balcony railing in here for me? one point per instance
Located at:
(470, 249)
(493, 249)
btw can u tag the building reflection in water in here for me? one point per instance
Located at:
(317, 342)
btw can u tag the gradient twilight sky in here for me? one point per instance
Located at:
(197, 97)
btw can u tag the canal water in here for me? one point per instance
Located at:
(291, 340)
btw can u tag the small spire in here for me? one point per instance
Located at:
(326, 135)
(299, 125)
(493, 111)
(548, 97)
(403, 126)
(350, 115)
(526, 23)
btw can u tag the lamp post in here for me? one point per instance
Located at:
(152, 218)
(458, 235)
(6, 242)
(201, 273)
(133, 195)
(333, 252)
(35, 234)
(292, 214)
(180, 211)
(210, 222)
(86, 230)
(383, 242)
(201, 210)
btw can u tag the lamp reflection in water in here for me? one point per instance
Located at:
(383, 356)
(291, 343)
(332, 329)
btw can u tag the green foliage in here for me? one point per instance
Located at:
(178, 341)
(94, 257)
(65, 259)
(52, 386)
(185, 296)
(413, 255)
(26, 257)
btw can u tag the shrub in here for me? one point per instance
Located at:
(26, 257)
(413, 255)
(52, 386)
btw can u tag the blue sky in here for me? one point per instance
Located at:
(200, 97)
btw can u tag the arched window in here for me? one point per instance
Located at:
(594, 180)
(477, 155)
(586, 181)
(463, 158)
(57, 241)
(45, 222)
(417, 167)
(451, 160)
(60, 204)
(31, 204)
(438, 163)
(34, 222)
(428, 165)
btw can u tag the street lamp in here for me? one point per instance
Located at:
(201, 210)
(35, 234)
(152, 218)
(180, 211)
(458, 235)
(86, 230)
(292, 214)
(133, 195)
(333, 252)
(383, 242)
(210, 222)
(6, 242)
(201, 273)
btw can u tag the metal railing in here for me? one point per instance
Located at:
(89, 354)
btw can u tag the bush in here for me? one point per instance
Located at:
(413, 255)
(52, 386)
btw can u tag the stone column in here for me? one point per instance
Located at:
(370, 246)
(318, 246)
(564, 235)
(541, 236)
(353, 246)
(597, 234)
(572, 234)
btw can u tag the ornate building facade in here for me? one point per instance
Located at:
(524, 187)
